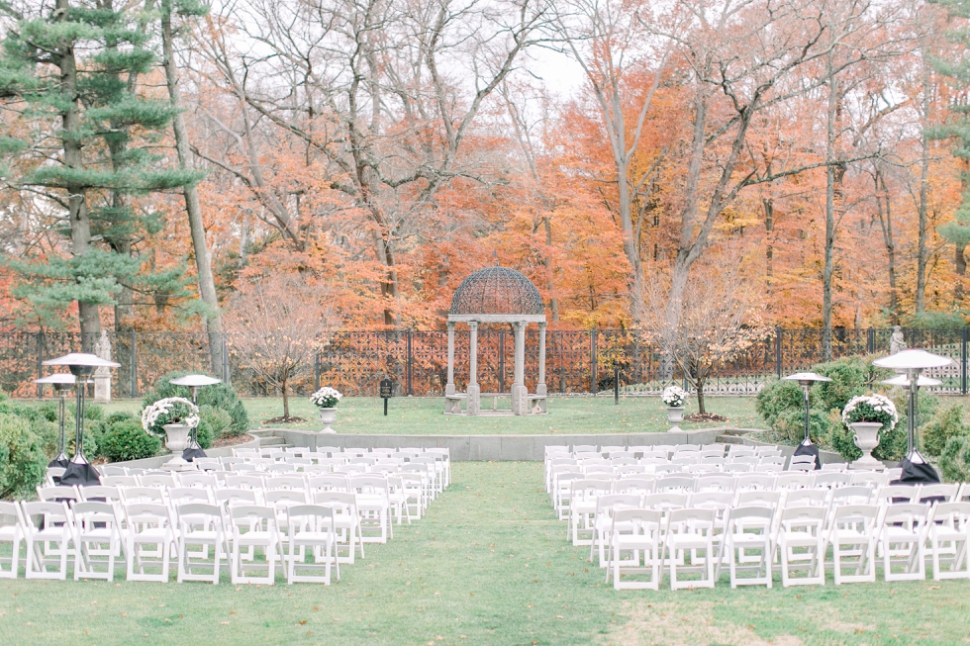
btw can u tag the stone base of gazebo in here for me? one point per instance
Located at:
(528, 405)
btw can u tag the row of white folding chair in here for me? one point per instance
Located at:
(797, 537)
(379, 500)
(149, 533)
(360, 502)
(565, 483)
(650, 470)
(591, 501)
(670, 448)
(256, 479)
(726, 481)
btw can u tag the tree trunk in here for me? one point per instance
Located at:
(88, 315)
(629, 243)
(961, 270)
(828, 270)
(922, 253)
(886, 220)
(203, 263)
(699, 385)
(286, 400)
(553, 301)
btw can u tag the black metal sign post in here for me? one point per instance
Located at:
(616, 384)
(387, 391)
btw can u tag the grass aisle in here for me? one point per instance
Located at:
(489, 565)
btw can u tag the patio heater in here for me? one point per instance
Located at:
(806, 380)
(911, 363)
(193, 450)
(79, 471)
(62, 383)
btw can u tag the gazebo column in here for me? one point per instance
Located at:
(541, 386)
(473, 406)
(520, 403)
(450, 387)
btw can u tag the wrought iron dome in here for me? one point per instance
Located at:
(497, 290)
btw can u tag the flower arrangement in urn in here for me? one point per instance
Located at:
(868, 416)
(326, 400)
(173, 418)
(675, 398)
(171, 410)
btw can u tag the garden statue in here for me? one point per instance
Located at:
(102, 376)
(896, 342)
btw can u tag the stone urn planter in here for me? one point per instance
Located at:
(866, 438)
(675, 415)
(176, 440)
(328, 416)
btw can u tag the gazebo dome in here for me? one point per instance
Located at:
(496, 290)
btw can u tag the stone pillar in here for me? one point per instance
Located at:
(520, 405)
(541, 386)
(102, 376)
(450, 387)
(473, 406)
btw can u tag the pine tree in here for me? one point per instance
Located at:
(958, 130)
(81, 154)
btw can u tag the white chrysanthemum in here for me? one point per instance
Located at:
(326, 397)
(159, 414)
(883, 410)
(674, 396)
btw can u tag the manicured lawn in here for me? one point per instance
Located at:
(414, 415)
(488, 565)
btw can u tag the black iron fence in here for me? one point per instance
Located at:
(577, 361)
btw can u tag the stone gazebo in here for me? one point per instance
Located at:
(496, 295)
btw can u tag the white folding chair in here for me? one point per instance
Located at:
(930, 493)
(48, 535)
(853, 540)
(690, 532)
(11, 531)
(196, 479)
(156, 480)
(253, 527)
(903, 541)
(150, 539)
(373, 505)
(95, 493)
(722, 483)
(947, 539)
(346, 522)
(582, 508)
(636, 532)
(119, 481)
(200, 525)
(801, 545)
(749, 529)
(311, 532)
(97, 538)
(603, 521)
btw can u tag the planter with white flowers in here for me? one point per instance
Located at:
(675, 399)
(173, 418)
(326, 400)
(868, 416)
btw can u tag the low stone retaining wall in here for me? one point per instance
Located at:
(496, 447)
(159, 460)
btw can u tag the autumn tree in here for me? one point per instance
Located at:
(276, 325)
(722, 318)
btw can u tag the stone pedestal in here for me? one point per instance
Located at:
(473, 405)
(520, 401)
(102, 386)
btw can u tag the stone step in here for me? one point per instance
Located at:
(273, 440)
